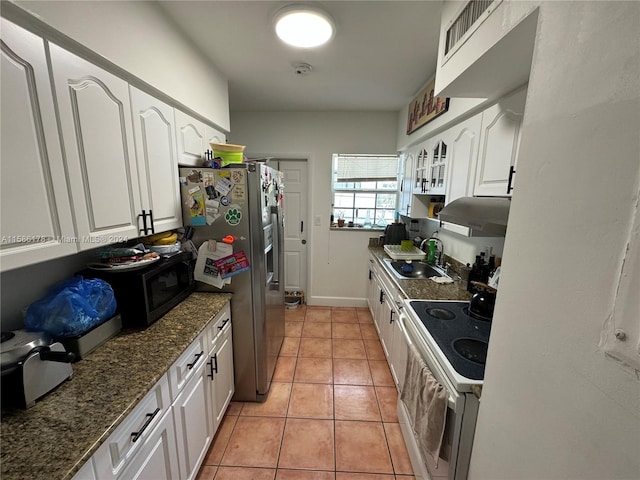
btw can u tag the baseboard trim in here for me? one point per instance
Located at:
(337, 302)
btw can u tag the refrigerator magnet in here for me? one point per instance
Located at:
(237, 176)
(239, 192)
(233, 216)
(224, 186)
(224, 201)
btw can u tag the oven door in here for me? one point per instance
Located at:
(423, 464)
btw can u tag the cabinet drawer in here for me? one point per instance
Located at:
(217, 325)
(185, 367)
(114, 454)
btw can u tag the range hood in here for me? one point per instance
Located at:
(485, 216)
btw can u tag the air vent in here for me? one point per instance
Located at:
(468, 17)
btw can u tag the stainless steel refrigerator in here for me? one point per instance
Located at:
(246, 204)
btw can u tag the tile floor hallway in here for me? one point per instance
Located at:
(331, 412)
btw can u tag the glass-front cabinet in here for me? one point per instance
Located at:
(437, 168)
(421, 171)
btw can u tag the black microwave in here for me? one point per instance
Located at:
(144, 295)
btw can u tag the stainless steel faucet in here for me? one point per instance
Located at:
(440, 257)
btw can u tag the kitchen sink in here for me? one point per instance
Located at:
(420, 269)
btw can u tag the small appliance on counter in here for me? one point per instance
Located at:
(82, 345)
(145, 294)
(395, 233)
(32, 365)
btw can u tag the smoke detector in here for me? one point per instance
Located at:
(301, 69)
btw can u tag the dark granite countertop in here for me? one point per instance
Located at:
(420, 288)
(53, 439)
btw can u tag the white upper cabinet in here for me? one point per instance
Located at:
(36, 219)
(156, 154)
(192, 139)
(213, 135)
(463, 154)
(499, 145)
(95, 120)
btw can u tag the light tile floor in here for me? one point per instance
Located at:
(331, 411)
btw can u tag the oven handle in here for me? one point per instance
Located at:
(429, 361)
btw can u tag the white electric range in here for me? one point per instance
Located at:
(453, 344)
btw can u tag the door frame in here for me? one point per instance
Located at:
(273, 160)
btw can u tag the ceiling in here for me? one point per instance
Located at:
(382, 54)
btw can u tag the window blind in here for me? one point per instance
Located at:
(366, 168)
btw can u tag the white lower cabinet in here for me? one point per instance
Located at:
(168, 433)
(192, 416)
(126, 444)
(157, 456)
(386, 309)
(399, 349)
(222, 381)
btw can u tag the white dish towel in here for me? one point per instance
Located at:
(426, 401)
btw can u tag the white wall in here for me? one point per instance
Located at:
(137, 37)
(554, 406)
(337, 259)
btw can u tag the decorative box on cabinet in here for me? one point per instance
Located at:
(499, 145)
(156, 154)
(36, 218)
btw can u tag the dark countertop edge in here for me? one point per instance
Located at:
(8, 471)
(419, 288)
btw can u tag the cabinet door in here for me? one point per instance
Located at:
(156, 155)
(192, 416)
(213, 135)
(221, 364)
(36, 219)
(191, 139)
(371, 289)
(87, 472)
(95, 119)
(499, 145)
(398, 363)
(386, 323)
(408, 159)
(465, 140)
(157, 458)
(421, 170)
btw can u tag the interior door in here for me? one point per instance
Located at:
(296, 225)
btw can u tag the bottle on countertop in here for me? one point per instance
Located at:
(432, 256)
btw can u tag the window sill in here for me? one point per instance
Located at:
(358, 228)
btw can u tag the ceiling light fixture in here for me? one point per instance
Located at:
(304, 26)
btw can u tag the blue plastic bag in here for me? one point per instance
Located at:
(72, 307)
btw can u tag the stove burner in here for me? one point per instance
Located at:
(441, 313)
(466, 311)
(471, 349)
(6, 336)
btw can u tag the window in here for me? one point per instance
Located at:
(365, 189)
